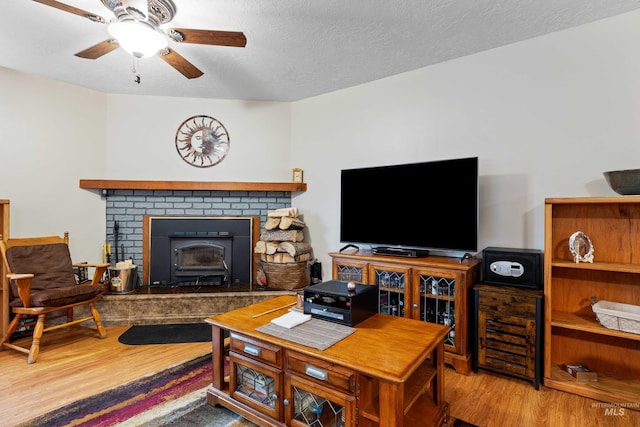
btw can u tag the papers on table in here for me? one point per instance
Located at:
(291, 319)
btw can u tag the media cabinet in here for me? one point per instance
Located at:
(432, 289)
(389, 372)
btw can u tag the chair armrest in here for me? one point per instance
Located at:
(18, 276)
(99, 271)
(23, 280)
(84, 264)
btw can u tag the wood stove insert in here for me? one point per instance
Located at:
(198, 251)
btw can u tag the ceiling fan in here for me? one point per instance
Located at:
(136, 28)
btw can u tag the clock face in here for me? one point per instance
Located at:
(202, 141)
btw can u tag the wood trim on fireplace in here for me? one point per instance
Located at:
(107, 184)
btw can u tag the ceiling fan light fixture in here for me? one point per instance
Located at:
(138, 38)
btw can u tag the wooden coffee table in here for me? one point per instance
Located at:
(389, 372)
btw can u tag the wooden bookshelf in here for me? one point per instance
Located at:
(572, 332)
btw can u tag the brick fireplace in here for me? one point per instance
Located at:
(129, 202)
(129, 208)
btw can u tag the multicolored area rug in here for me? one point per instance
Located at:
(152, 401)
(174, 397)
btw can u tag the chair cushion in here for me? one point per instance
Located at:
(50, 264)
(56, 297)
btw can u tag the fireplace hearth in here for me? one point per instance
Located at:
(198, 251)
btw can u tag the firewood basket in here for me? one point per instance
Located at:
(290, 275)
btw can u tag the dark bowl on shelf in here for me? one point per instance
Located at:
(625, 182)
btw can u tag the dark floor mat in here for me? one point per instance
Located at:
(166, 334)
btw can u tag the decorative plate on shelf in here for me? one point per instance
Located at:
(581, 247)
(202, 141)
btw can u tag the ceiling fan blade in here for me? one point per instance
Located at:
(96, 51)
(71, 9)
(185, 67)
(218, 38)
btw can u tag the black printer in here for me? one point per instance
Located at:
(335, 302)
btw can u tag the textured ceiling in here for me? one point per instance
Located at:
(295, 48)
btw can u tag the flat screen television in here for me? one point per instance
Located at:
(423, 206)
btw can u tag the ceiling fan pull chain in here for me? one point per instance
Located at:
(135, 69)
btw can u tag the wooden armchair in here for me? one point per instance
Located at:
(41, 283)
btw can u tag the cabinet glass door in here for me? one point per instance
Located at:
(255, 385)
(391, 290)
(349, 273)
(350, 270)
(438, 303)
(318, 406)
(313, 410)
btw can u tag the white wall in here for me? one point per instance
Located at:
(545, 117)
(53, 134)
(142, 131)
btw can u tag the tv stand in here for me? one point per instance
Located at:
(433, 289)
(403, 252)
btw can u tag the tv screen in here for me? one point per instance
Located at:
(429, 205)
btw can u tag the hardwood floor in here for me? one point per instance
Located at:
(73, 365)
(492, 400)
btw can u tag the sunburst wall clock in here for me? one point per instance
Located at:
(202, 141)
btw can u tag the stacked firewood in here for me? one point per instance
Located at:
(282, 239)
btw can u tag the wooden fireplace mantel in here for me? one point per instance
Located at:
(107, 184)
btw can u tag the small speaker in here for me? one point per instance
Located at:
(512, 267)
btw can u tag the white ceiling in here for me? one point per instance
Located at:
(295, 48)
